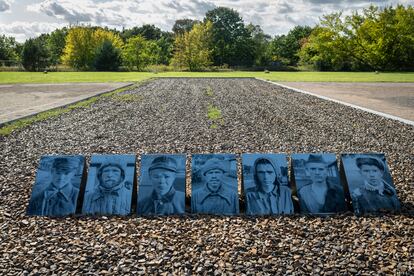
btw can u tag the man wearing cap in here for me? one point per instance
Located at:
(215, 197)
(110, 196)
(164, 199)
(375, 192)
(59, 198)
(322, 194)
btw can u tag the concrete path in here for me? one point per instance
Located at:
(396, 99)
(21, 100)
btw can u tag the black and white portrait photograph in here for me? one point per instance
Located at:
(370, 183)
(214, 184)
(265, 183)
(318, 184)
(109, 186)
(56, 188)
(161, 189)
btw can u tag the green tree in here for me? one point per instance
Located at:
(325, 52)
(79, 48)
(56, 44)
(261, 42)
(183, 25)
(8, 50)
(81, 45)
(34, 55)
(166, 46)
(147, 31)
(193, 49)
(376, 39)
(107, 57)
(139, 53)
(285, 48)
(383, 39)
(232, 41)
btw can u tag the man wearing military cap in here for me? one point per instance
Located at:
(215, 197)
(375, 192)
(110, 196)
(60, 197)
(164, 198)
(322, 194)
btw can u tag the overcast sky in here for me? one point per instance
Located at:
(29, 18)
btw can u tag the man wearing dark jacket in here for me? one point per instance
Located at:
(59, 198)
(164, 199)
(322, 194)
(375, 193)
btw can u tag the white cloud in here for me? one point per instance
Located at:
(23, 30)
(5, 5)
(120, 13)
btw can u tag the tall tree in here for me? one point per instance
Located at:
(107, 57)
(166, 46)
(193, 49)
(81, 45)
(139, 53)
(285, 48)
(376, 39)
(56, 44)
(147, 31)
(8, 50)
(183, 25)
(79, 49)
(261, 42)
(34, 55)
(231, 40)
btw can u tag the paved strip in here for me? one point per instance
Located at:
(23, 100)
(364, 99)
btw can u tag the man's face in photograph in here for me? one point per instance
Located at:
(61, 177)
(266, 176)
(162, 180)
(111, 176)
(317, 172)
(214, 179)
(372, 174)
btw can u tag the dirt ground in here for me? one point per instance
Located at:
(20, 100)
(396, 99)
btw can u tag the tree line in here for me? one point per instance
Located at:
(374, 39)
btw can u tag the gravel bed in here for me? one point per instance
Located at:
(170, 116)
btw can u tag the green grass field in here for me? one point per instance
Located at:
(60, 77)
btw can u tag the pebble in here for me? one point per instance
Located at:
(170, 116)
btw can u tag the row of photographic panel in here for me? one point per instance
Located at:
(315, 187)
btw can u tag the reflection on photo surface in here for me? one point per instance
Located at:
(319, 187)
(162, 185)
(217, 193)
(370, 183)
(268, 193)
(109, 186)
(56, 189)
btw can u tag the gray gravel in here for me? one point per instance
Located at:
(170, 116)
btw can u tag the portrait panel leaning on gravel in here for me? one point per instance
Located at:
(161, 188)
(109, 186)
(214, 184)
(266, 184)
(56, 188)
(370, 183)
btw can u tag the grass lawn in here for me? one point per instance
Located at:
(60, 77)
